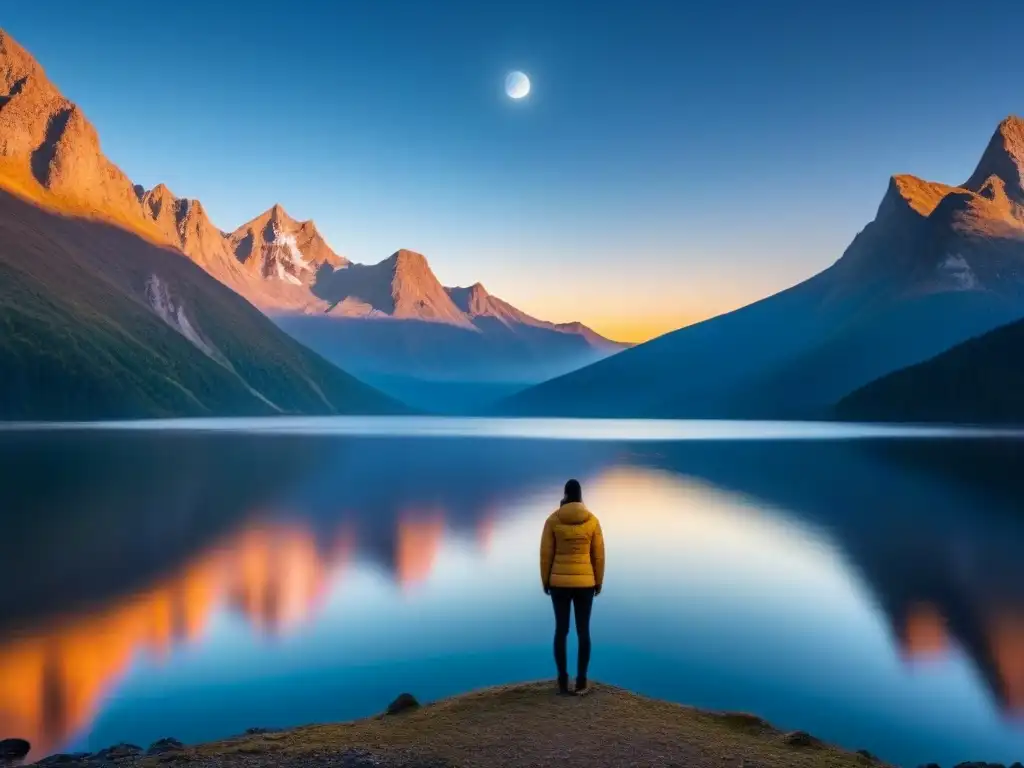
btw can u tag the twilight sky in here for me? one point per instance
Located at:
(674, 160)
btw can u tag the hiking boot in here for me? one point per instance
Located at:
(581, 686)
(563, 685)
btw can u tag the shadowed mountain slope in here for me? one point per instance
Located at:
(937, 266)
(979, 381)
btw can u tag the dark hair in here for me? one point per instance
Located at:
(573, 492)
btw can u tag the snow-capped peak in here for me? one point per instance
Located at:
(289, 260)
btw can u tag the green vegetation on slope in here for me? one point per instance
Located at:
(980, 381)
(79, 338)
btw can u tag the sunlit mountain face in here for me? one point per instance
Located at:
(768, 578)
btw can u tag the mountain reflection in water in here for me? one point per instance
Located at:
(176, 549)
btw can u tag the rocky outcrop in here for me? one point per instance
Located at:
(45, 138)
(13, 749)
(274, 246)
(405, 702)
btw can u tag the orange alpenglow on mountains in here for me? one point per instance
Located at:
(104, 317)
(50, 157)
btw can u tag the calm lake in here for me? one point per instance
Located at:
(197, 582)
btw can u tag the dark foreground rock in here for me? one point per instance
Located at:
(14, 749)
(346, 758)
(800, 739)
(66, 760)
(404, 703)
(163, 746)
(119, 752)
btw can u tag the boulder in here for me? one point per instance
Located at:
(164, 745)
(14, 749)
(119, 752)
(66, 760)
(404, 703)
(800, 739)
(744, 720)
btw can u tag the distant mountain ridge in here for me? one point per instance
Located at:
(283, 265)
(392, 323)
(100, 316)
(938, 265)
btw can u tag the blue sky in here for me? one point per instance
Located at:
(674, 160)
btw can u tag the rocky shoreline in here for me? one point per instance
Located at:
(518, 726)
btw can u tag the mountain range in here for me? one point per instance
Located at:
(102, 317)
(938, 265)
(392, 323)
(120, 301)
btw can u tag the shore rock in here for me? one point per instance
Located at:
(404, 703)
(164, 745)
(118, 752)
(66, 760)
(14, 749)
(800, 739)
(867, 756)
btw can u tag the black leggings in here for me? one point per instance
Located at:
(582, 600)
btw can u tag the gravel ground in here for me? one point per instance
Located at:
(519, 726)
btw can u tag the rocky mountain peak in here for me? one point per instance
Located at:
(279, 217)
(16, 66)
(46, 138)
(406, 259)
(1004, 159)
(910, 195)
(474, 300)
(277, 248)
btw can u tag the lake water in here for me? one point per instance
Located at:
(863, 584)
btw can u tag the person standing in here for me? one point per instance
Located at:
(572, 572)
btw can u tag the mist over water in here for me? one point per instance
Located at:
(197, 583)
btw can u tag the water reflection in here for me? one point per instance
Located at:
(54, 676)
(825, 587)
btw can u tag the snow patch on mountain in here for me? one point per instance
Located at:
(957, 268)
(160, 300)
(283, 274)
(287, 249)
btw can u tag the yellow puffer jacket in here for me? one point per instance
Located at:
(572, 548)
